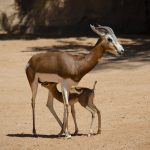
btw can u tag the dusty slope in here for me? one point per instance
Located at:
(122, 95)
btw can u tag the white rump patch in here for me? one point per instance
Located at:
(27, 66)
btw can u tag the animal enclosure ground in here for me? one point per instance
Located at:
(122, 95)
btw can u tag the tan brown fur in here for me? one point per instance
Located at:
(68, 68)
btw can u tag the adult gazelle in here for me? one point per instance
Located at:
(68, 70)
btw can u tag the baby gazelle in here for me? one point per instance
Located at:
(85, 98)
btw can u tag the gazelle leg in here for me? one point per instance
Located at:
(51, 108)
(99, 120)
(93, 117)
(95, 109)
(74, 119)
(65, 93)
(34, 87)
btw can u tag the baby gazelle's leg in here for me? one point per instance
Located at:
(99, 120)
(74, 119)
(93, 109)
(93, 117)
(51, 108)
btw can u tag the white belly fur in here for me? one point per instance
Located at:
(43, 77)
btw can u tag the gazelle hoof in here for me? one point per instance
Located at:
(68, 136)
(60, 133)
(99, 132)
(76, 132)
(34, 132)
(90, 133)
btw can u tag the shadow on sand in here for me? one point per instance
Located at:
(137, 49)
(52, 136)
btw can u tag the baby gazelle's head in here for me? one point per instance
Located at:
(83, 90)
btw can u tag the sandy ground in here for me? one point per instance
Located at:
(122, 95)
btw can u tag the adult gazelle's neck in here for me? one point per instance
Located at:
(91, 60)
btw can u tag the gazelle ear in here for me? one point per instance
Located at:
(99, 30)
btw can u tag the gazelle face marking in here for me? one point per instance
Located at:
(112, 45)
(109, 40)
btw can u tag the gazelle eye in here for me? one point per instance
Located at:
(109, 40)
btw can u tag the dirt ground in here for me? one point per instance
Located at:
(122, 95)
